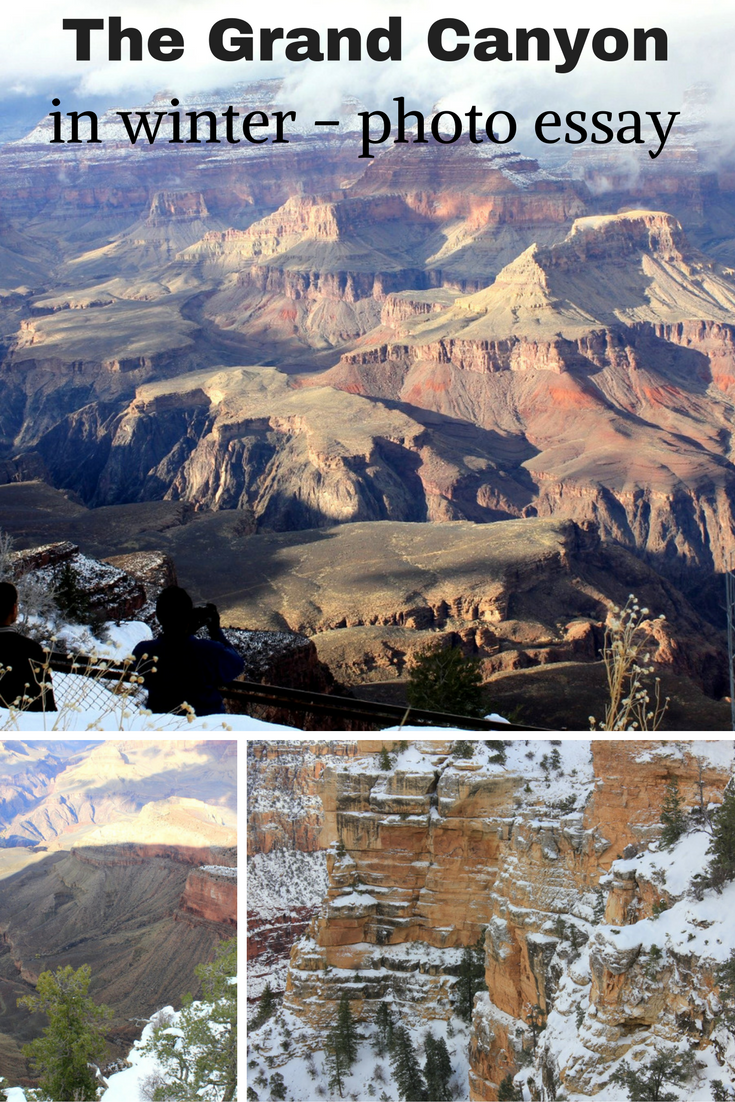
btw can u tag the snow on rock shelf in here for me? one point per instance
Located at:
(597, 955)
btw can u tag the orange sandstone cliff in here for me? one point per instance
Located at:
(551, 858)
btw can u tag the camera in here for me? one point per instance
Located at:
(205, 616)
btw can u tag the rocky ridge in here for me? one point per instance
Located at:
(556, 864)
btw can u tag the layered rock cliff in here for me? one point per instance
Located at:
(129, 912)
(210, 895)
(594, 954)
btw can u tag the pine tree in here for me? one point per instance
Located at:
(341, 1046)
(463, 748)
(498, 753)
(722, 847)
(647, 1085)
(406, 1071)
(508, 1091)
(385, 763)
(555, 760)
(471, 977)
(442, 679)
(725, 977)
(266, 1007)
(200, 1056)
(74, 1037)
(537, 1023)
(384, 1036)
(69, 595)
(672, 815)
(437, 1069)
(346, 1030)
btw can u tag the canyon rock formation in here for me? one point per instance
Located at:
(297, 340)
(551, 857)
(118, 854)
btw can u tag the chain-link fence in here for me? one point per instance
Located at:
(91, 684)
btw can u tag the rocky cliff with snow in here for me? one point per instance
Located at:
(599, 954)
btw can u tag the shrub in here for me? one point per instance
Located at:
(648, 1083)
(498, 753)
(672, 815)
(508, 1091)
(463, 748)
(442, 679)
(471, 977)
(73, 1041)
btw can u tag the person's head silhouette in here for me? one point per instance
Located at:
(174, 609)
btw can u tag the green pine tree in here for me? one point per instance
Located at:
(508, 1091)
(725, 976)
(385, 763)
(341, 1046)
(442, 679)
(277, 1086)
(69, 595)
(74, 1037)
(463, 748)
(201, 1056)
(406, 1070)
(437, 1069)
(722, 847)
(266, 1007)
(498, 753)
(672, 815)
(471, 977)
(383, 1041)
(346, 1030)
(647, 1084)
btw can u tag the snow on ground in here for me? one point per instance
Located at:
(716, 752)
(700, 927)
(693, 933)
(124, 1086)
(93, 720)
(531, 758)
(283, 1046)
(112, 640)
(279, 881)
(674, 867)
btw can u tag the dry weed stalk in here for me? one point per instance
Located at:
(631, 707)
(111, 691)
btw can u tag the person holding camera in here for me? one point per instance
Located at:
(180, 668)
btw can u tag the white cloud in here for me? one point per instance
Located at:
(36, 54)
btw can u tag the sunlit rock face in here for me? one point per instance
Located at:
(548, 854)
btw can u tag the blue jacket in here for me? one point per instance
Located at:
(188, 669)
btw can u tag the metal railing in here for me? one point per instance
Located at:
(244, 696)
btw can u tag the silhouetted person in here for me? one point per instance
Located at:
(187, 669)
(24, 681)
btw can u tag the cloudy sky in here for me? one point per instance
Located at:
(38, 57)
